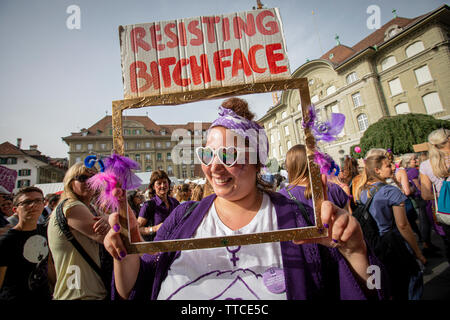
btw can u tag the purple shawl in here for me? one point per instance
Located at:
(311, 271)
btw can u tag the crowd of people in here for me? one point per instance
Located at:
(65, 247)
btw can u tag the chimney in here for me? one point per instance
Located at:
(33, 147)
(19, 142)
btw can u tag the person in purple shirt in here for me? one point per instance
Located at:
(388, 210)
(410, 162)
(299, 186)
(158, 208)
(334, 267)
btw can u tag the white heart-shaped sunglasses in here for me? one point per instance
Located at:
(228, 156)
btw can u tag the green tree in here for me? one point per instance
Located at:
(398, 133)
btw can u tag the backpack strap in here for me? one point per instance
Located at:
(301, 207)
(62, 223)
(190, 209)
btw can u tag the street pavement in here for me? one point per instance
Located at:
(437, 273)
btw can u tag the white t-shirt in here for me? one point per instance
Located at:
(239, 272)
(425, 168)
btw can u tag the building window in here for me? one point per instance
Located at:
(270, 125)
(169, 171)
(281, 151)
(138, 131)
(23, 183)
(278, 134)
(167, 144)
(192, 170)
(159, 156)
(357, 100)
(388, 62)
(90, 146)
(314, 98)
(147, 157)
(169, 156)
(148, 168)
(24, 172)
(138, 158)
(103, 146)
(78, 147)
(272, 139)
(138, 145)
(352, 77)
(158, 145)
(331, 90)
(289, 144)
(8, 161)
(432, 103)
(77, 159)
(286, 130)
(184, 173)
(163, 132)
(402, 108)
(414, 49)
(273, 152)
(283, 115)
(395, 86)
(125, 145)
(299, 107)
(423, 75)
(148, 145)
(363, 122)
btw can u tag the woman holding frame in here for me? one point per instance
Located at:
(334, 267)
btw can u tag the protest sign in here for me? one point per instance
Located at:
(203, 52)
(8, 178)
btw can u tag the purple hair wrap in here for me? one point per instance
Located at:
(118, 174)
(245, 128)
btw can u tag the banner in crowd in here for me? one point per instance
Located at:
(203, 52)
(8, 178)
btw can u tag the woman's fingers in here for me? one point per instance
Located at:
(113, 242)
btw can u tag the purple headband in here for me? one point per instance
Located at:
(244, 128)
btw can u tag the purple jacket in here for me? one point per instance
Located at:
(311, 271)
(334, 192)
(161, 212)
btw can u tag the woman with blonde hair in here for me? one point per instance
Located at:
(88, 228)
(436, 170)
(197, 193)
(184, 193)
(299, 187)
(388, 210)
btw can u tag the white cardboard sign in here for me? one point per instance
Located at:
(203, 52)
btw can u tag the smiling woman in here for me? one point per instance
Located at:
(242, 205)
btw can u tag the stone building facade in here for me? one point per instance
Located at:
(403, 67)
(149, 144)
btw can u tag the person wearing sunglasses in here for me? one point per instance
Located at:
(89, 227)
(24, 251)
(236, 149)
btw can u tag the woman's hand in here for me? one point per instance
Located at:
(101, 226)
(113, 241)
(344, 231)
(345, 234)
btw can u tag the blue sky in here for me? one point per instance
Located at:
(55, 81)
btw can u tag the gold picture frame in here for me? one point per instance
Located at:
(316, 231)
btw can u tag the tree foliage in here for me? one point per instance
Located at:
(399, 133)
